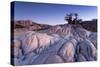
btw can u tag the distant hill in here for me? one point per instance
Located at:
(90, 25)
(30, 25)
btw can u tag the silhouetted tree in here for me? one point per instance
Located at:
(75, 19)
(72, 18)
(68, 18)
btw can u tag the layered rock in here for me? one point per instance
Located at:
(58, 44)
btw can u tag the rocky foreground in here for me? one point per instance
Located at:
(57, 44)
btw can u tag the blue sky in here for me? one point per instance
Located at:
(51, 13)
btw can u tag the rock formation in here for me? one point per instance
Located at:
(57, 44)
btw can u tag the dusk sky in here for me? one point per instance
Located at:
(50, 13)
